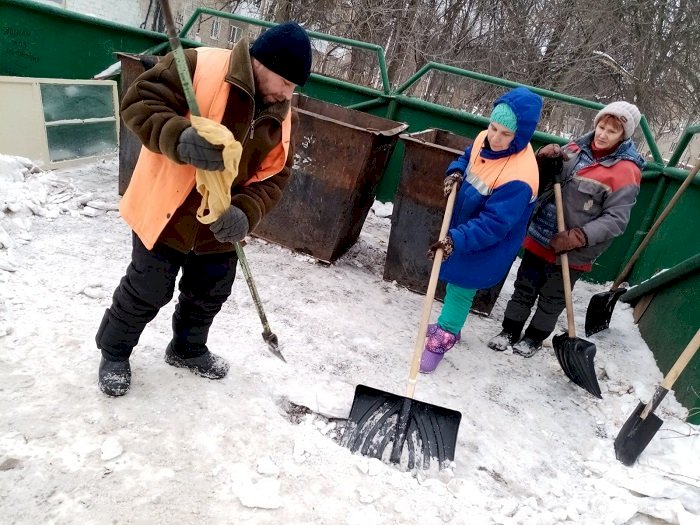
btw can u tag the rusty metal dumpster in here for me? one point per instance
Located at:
(129, 144)
(419, 206)
(340, 156)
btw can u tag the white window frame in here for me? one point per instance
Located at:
(234, 34)
(215, 28)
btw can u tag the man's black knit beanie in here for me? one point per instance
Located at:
(286, 50)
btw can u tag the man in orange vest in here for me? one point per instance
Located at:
(248, 90)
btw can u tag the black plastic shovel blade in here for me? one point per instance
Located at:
(401, 430)
(635, 435)
(600, 310)
(575, 356)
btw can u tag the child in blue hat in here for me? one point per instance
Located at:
(498, 181)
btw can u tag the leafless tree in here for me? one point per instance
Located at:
(644, 51)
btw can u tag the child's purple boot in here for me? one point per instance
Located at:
(439, 341)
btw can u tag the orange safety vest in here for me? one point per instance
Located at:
(159, 186)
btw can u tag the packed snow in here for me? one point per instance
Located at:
(262, 445)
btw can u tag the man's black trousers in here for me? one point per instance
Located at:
(149, 285)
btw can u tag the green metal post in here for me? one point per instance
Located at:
(688, 134)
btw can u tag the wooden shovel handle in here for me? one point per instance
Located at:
(429, 296)
(564, 258)
(673, 374)
(647, 238)
(682, 361)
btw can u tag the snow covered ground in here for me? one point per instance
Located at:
(532, 447)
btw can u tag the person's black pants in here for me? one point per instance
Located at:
(541, 281)
(149, 285)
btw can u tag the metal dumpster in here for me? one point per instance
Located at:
(339, 158)
(419, 206)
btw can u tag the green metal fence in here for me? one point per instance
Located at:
(45, 41)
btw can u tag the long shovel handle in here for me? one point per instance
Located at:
(672, 375)
(429, 296)
(564, 258)
(647, 238)
(179, 55)
(188, 90)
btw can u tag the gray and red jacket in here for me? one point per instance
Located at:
(598, 197)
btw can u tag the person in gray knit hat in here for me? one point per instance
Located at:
(627, 115)
(600, 174)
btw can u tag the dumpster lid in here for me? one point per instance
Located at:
(346, 117)
(430, 138)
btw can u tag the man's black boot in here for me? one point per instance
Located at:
(114, 377)
(205, 364)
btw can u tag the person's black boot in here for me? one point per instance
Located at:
(527, 347)
(507, 337)
(114, 377)
(502, 341)
(206, 365)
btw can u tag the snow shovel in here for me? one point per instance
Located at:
(641, 426)
(409, 432)
(601, 306)
(575, 355)
(184, 74)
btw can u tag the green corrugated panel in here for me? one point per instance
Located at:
(668, 324)
(608, 266)
(49, 42)
(677, 239)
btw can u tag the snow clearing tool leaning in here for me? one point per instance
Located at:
(405, 431)
(181, 63)
(575, 355)
(601, 306)
(642, 424)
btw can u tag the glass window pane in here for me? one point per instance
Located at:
(76, 101)
(72, 141)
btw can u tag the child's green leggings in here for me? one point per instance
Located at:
(456, 307)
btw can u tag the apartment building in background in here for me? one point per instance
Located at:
(210, 30)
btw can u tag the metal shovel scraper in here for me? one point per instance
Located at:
(188, 90)
(642, 425)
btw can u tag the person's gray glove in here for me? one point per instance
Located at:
(232, 226)
(199, 152)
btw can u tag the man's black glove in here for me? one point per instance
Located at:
(232, 226)
(200, 153)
